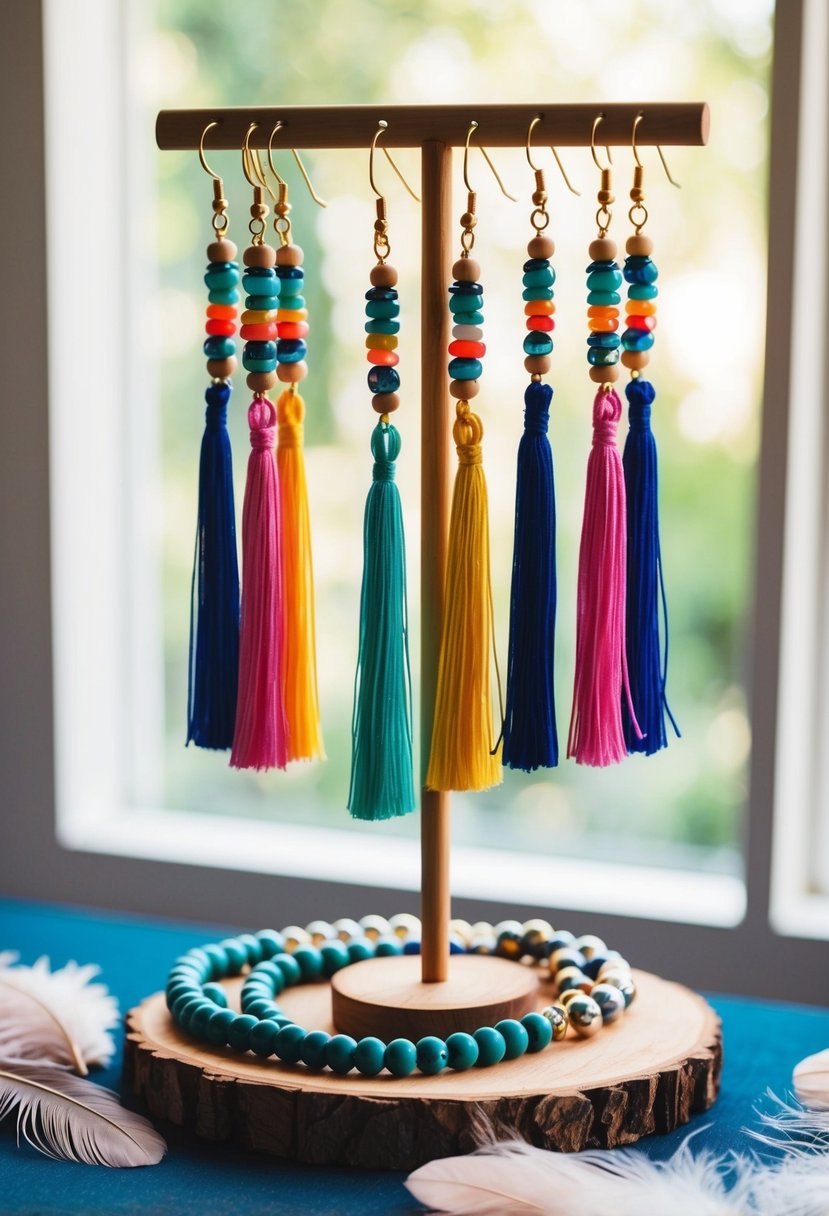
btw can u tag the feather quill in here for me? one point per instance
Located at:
(56, 1015)
(70, 1119)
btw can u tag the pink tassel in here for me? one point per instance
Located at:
(260, 738)
(596, 731)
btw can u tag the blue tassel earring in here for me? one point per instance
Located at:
(646, 609)
(214, 601)
(530, 735)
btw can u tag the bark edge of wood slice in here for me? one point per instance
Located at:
(647, 1074)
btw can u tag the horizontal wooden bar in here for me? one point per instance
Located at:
(666, 123)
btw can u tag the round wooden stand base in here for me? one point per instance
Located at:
(649, 1072)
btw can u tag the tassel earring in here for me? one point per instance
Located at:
(647, 652)
(260, 738)
(214, 597)
(382, 783)
(298, 655)
(462, 755)
(596, 734)
(530, 736)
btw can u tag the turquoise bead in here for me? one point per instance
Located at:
(462, 1050)
(182, 1006)
(382, 327)
(536, 293)
(272, 942)
(216, 994)
(369, 1056)
(289, 967)
(382, 310)
(258, 365)
(604, 280)
(491, 1046)
(310, 962)
(218, 958)
(388, 947)
(360, 949)
(218, 1026)
(293, 304)
(260, 285)
(472, 318)
(334, 957)
(263, 1038)
(224, 277)
(539, 1032)
(642, 291)
(641, 270)
(253, 946)
(237, 955)
(467, 301)
(223, 297)
(261, 1008)
(537, 343)
(539, 278)
(400, 1057)
(465, 369)
(179, 989)
(292, 351)
(600, 342)
(637, 339)
(289, 1043)
(272, 974)
(201, 1016)
(383, 379)
(238, 1035)
(432, 1055)
(604, 299)
(515, 1036)
(216, 347)
(290, 287)
(262, 303)
(602, 358)
(340, 1053)
(314, 1047)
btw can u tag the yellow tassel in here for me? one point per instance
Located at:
(462, 735)
(298, 665)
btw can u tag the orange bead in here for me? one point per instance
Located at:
(221, 312)
(258, 333)
(386, 358)
(467, 350)
(222, 329)
(542, 323)
(293, 329)
(602, 310)
(292, 314)
(539, 308)
(641, 308)
(603, 325)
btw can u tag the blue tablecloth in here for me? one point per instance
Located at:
(762, 1043)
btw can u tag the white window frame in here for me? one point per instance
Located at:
(72, 837)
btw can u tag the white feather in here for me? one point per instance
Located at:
(70, 1119)
(57, 1015)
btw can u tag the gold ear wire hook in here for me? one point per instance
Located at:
(536, 168)
(639, 164)
(220, 220)
(259, 209)
(599, 118)
(319, 201)
(247, 156)
(202, 158)
(473, 126)
(382, 127)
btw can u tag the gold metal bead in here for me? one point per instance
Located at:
(468, 219)
(558, 1018)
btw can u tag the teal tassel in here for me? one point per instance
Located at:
(382, 784)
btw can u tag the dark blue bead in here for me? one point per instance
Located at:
(381, 293)
(411, 947)
(456, 946)
(645, 271)
(637, 339)
(260, 350)
(217, 394)
(604, 341)
(537, 342)
(291, 350)
(383, 379)
(605, 265)
(597, 357)
(465, 289)
(290, 272)
(536, 264)
(216, 347)
(260, 272)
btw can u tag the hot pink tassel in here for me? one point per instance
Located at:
(259, 740)
(596, 731)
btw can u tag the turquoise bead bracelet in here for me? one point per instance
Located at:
(593, 986)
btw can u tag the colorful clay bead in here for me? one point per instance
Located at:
(225, 298)
(383, 380)
(465, 369)
(382, 327)
(639, 270)
(642, 291)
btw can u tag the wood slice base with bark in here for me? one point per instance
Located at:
(647, 1073)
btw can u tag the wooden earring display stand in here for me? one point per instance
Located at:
(651, 1071)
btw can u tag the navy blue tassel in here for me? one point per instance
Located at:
(647, 654)
(214, 603)
(530, 736)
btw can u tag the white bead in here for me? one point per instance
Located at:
(294, 936)
(346, 929)
(320, 931)
(406, 926)
(467, 333)
(374, 926)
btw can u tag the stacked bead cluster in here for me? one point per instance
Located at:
(259, 328)
(640, 275)
(539, 278)
(593, 984)
(292, 317)
(466, 298)
(604, 278)
(221, 280)
(382, 328)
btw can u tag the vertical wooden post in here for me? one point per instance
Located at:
(435, 829)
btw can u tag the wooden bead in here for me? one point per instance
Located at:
(639, 246)
(292, 373)
(538, 365)
(607, 374)
(289, 255)
(221, 250)
(259, 255)
(464, 390)
(602, 249)
(221, 369)
(385, 403)
(466, 270)
(260, 382)
(541, 247)
(635, 360)
(383, 275)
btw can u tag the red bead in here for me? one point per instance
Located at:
(224, 329)
(467, 350)
(293, 329)
(387, 358)
(640, 322)
(545, 323)
(258, 333)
